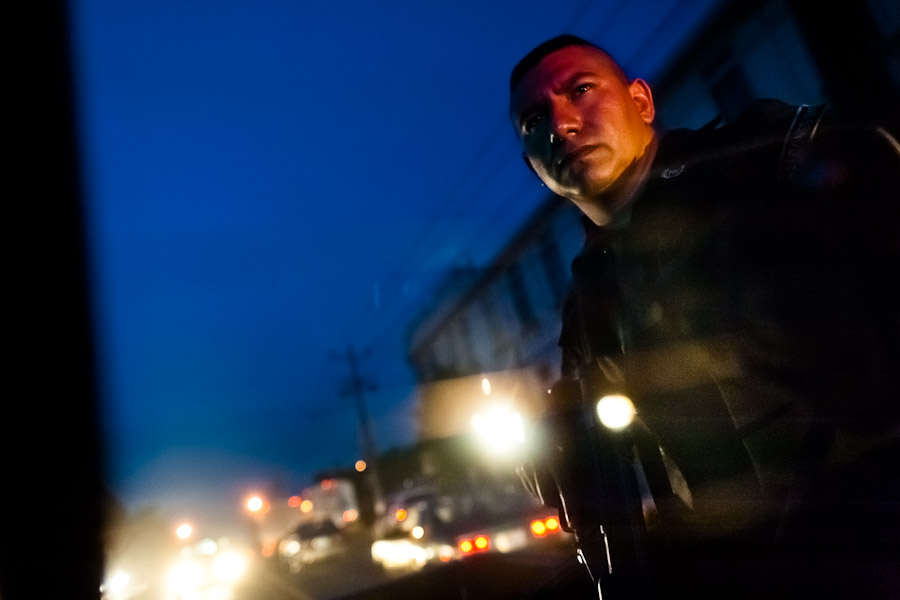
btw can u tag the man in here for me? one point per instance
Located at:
(738, 284)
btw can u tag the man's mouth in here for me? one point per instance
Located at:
(570, 157)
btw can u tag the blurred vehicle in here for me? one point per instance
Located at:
(333, 499)
(414, 533)
(515, 534)
(411, 550)
(208, 570)
(309, 543)
(430, 529)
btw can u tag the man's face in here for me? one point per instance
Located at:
(580, 123)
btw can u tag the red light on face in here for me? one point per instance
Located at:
(400, 515)
(294, 501)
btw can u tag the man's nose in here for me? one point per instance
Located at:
(564, 122)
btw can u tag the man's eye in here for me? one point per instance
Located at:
(580, 89)
(531, 123)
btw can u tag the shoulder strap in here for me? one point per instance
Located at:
(803, 128)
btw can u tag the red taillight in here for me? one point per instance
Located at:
(476, 544)
(541, 527)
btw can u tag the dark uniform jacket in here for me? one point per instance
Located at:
(748, 303)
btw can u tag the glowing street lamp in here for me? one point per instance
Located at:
(184, 531)
(256, 505)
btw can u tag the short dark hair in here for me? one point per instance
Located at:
(537, 54)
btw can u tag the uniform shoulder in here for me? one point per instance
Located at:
(756, 138)
(765, 122)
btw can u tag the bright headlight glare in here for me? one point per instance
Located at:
(186, 575)
(615, 411)
(501, 430)
(208, 547)
(117, 583)
(228, 567)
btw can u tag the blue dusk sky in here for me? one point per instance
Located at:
(271, 182)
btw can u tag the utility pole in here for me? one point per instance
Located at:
(357, 387)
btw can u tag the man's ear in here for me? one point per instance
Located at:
(643, 99)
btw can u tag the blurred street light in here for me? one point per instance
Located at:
(615, 411)
(256, 507)
(500, 429)
(184, 531)
(255, 504)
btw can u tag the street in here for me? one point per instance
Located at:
(537, 573)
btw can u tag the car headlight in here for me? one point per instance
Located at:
(228, 567)
(116, 585)
(186, 575)
(290, 547)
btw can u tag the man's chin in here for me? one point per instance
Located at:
(590, 191)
